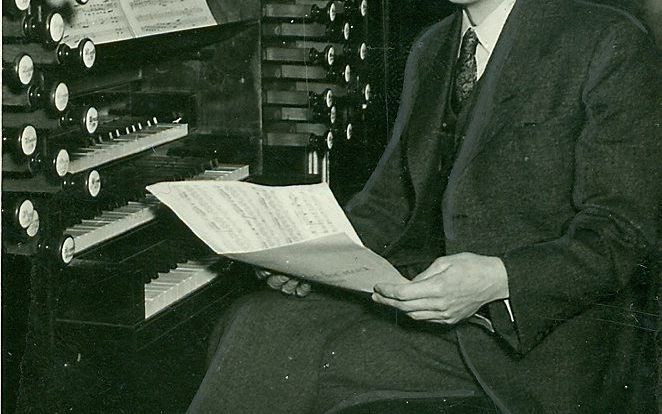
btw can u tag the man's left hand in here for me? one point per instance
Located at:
(451, 289)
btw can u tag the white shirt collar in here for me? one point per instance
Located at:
(489, 30)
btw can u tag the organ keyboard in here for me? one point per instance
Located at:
(110, 224)
(121, 146)
(173, 285)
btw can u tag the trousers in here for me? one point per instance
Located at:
(272, 353)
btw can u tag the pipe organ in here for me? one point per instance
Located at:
(102, 285)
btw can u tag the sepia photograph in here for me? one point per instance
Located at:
(331, 207)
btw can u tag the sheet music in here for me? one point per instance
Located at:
(106, 21)
(333, 260)
(150, 17)
(237, 217)
(297, 230)
(102, 21)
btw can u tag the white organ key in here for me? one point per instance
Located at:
(172, 286)
(129, 144)
(118, 221)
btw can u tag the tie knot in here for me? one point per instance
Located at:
(469, 42)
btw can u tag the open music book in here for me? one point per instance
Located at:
(295, 230)
(106, 21)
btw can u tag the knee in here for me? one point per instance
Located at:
(247, 304)
(256, 312)
(344, 353)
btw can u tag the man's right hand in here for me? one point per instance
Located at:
(286, 284)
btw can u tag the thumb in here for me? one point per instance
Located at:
(434, 269)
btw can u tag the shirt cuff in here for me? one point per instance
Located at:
(510, 310)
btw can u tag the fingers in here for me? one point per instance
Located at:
(277, 281)
(407, 291)
(303, 289)
(262, 273)
(289, 287)
(430, 316)
(439, 266)
(416, 305)
(428, 310)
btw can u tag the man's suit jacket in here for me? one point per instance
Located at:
(560, 176)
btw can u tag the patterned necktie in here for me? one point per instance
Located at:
(467, 72)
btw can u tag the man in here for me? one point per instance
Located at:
(522, 183)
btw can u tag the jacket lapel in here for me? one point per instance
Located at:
(423, 130)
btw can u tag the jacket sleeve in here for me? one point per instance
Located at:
(380, 211)
(618, 179)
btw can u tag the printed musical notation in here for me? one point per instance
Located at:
(298, 230)
(106, 21)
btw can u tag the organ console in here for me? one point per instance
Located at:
(96, 108)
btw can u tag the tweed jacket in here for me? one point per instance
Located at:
(560, 175)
